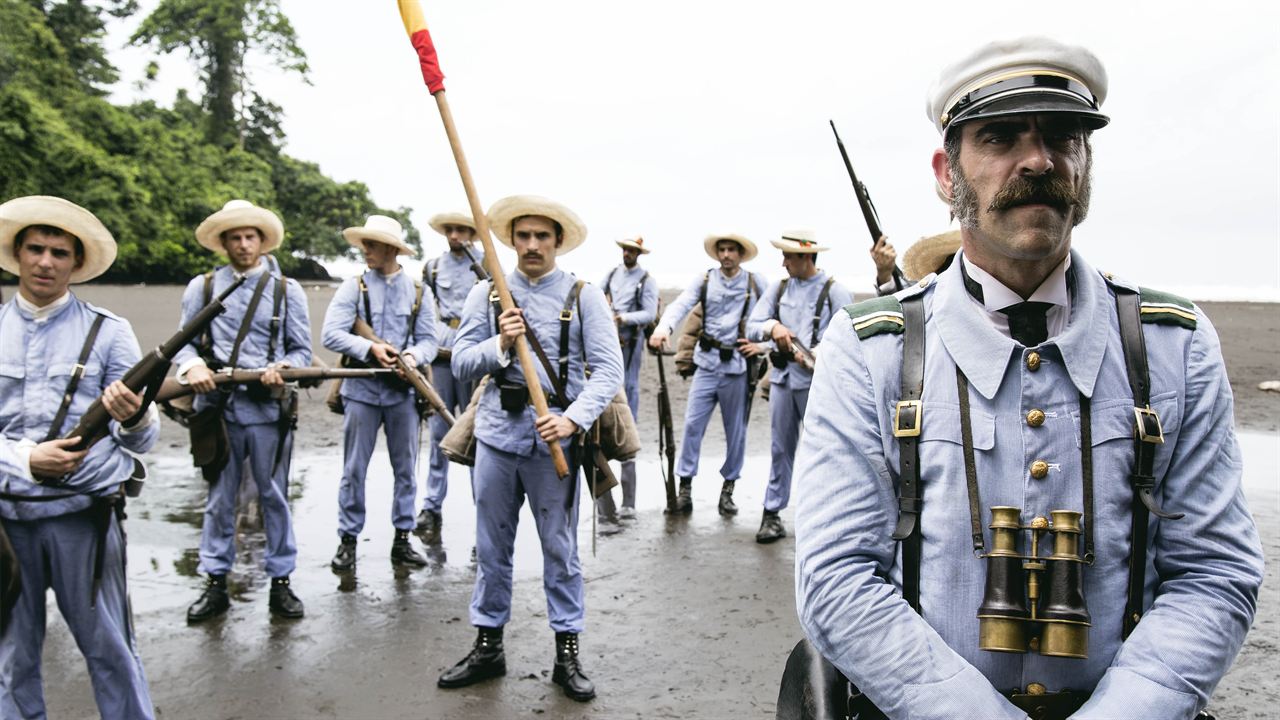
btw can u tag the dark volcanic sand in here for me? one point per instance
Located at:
(685, 618)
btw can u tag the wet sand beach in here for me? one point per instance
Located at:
(686, 618)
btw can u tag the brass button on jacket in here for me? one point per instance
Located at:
(1035, 418)
(1033, 361)
(1039, 469)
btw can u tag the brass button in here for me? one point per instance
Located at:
(1036, 689)
(1039, 469)
(1035, 418)
(1033, 361)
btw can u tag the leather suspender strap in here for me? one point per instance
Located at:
(908, 419)
(277, 302)
(702, 294)
(566, 319)
(824, 298)
(69, 395)
(364, 295)
(777, 299)
(970, 465)
(608, 286)
(534, 344)
(248, 319)
(746, 305)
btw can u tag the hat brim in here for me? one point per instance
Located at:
(1033, 103)
(788, 246)
(628, 244)
(503, 213)
(438, 222)
(749, 249)
(928, 254)
(357, 235)
(99, 245)
(209, 233)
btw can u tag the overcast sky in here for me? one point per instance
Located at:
(673, 120)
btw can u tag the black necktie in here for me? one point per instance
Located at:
(1027, 322)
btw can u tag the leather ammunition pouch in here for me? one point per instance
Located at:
(210, 446)
(513, 397)
(779, 359)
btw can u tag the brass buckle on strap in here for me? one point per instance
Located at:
(566, 315)
(908, 423)
(1148, 426)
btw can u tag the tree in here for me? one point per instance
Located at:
(217, 35)
(80, 28)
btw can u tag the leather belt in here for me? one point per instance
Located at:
(1049, 705)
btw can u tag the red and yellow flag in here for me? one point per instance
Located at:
(416, 25)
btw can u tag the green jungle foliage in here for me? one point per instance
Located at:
(152, 173)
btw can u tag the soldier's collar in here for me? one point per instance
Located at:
(996, 296)
(41, 314)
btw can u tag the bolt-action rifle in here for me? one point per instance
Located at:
(666, 433)
(173, 388)
(415, 377)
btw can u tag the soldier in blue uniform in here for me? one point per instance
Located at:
(727, 294)
(1048, 390)
(450, 277)
(60, 509)
(265, 325)
(572, 321)
(400, 310)
(633, 294)
(795, 308)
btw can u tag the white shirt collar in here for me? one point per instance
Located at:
(997, 296)
(534, 282)
(41, 314)
(251, 272)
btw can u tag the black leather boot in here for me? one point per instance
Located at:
(486, 660)
(568, 671)
(727, 506)
(283, 603)
(428, 526)
(402, 552)
(345, 559)
(770, 528)
(212, 602)
(684, 501)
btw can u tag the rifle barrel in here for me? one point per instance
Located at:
(864, 202)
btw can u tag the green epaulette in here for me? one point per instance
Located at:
(1164, 308)
(876, 316)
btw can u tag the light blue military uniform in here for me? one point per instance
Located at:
(716, 381)
(512, 461)
(55, 541)
(252, 426)
(635, 313)
(450, 278)
(1203, 570)
(789, 386)
(371, 402)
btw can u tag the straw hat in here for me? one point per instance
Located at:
(437, 222)
(379, 228)
(637, 244)
(800, 240)
(504, 213)
(238, 214)
(99, 246)
(928, 253)
(748, 248)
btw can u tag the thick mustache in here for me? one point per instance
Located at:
(1053, 191)
(533, 256)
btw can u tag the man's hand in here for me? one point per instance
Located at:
(200, 379)
(384, 354)
(748, 348)
(658, 338)
(121, 402)
(617, 319)
(885, 258)
(554, 428)
(51, 458)
(782, 336)
(271, 376)
(510, 327)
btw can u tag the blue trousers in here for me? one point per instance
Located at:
(709, 388)
(502, 482)
(360, 433)
(255, 444)
(786, 411)
(456, 395)
(58, 553)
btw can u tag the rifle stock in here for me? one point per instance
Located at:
(413, 375)
(864, 202)
(172, 388)
(148, 373)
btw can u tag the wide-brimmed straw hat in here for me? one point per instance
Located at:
(506, 211)
(637, 244)
(437, 222)
(18, 213)
(800, 240)
(379, 228)
(928, 253)
(749, 250)
(238, 214)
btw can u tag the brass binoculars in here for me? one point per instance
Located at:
(1032, 602)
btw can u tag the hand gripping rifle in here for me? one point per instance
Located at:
(864, 201)
(173, 388)
(148, 374)
(413, 375)
(666, 433)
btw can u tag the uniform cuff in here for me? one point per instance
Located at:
(184, 367)
(23, 451)
(1124, 693)
(150, 416)
(504, 358)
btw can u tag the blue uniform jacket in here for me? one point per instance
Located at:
(796, 312)
(36, 360)
(725, 300)
(392, 304)
(451, 279)
(293, 340)
(591, 332)
(1203, 570)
